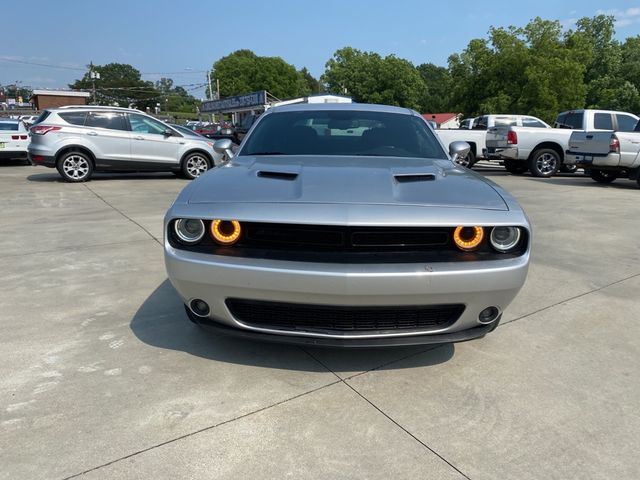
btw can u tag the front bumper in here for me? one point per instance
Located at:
(381, 341)
(477, 285)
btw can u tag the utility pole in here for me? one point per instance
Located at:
(94, 76)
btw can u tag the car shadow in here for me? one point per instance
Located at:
(97, 177)
(161, 322)
(587, 182)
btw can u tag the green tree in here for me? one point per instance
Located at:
(437, 93)
(119, 83)
(243, 71)
(175, 98)
(369, 78)
(309, 84)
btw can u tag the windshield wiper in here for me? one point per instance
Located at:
(267, 153)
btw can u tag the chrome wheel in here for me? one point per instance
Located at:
(546, 163)
(76, 167)
(196, 165)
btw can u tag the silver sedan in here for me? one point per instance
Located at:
(346, 225)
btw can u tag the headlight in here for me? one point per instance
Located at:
(468, 238)
(189, 230)
(225, 232)
(504, 239)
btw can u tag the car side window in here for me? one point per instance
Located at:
(505, 121)
(142, 124)
(532, 122)
(626, 123)
(74, 118)
(602, 121)
(110, 120)
(481, 123)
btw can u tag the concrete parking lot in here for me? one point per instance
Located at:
(102, 376)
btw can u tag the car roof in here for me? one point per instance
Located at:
(94, 107)
(357, 107)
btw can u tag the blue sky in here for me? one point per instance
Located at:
(185, 37)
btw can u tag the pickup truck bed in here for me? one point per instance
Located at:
(606, 155)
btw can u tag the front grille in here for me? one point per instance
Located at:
(339, 319)
(346, 244)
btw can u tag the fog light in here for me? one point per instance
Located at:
(488, 315)
(199, 307)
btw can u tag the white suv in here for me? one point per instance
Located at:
(81, 140)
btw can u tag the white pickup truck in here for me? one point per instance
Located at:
(542, 151)
(605, 155)
(477, 134)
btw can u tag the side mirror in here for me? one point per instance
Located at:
(168, 132)
(224, 146)
(458, 150)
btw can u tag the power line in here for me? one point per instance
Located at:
(83, 69)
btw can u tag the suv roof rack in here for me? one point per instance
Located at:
(100, 107)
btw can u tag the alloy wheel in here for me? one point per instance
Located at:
(76, 167)
(197, 165)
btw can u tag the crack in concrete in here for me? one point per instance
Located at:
(201, 430)
(387, 416)
(73, 248)
(595, 290)
(122, 213)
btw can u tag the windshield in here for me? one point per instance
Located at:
(343, 132)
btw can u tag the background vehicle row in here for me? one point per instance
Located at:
(80, 140)
(542, 150)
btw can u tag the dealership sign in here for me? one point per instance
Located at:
(239, 102)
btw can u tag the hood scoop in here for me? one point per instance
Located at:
(277, 175)
(414, 177)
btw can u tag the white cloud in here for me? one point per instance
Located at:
(624, 17)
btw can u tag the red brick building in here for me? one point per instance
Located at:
(42, 99)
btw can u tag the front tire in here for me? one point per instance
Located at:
(194, 165)
(544, 163)
(603, 176)
(75, 167)
(467, 161)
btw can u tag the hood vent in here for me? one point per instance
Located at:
(277, 175)
(414, 177)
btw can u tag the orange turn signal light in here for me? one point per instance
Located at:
(226, 232)
(468, 238)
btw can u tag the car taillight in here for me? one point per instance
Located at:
(614, 145)
(512, 137)
(43, 129)
(15, 137)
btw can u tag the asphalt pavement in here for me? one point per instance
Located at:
(103, 377)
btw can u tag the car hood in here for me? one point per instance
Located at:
(347, 180)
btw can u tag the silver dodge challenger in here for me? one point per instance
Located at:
(346, 225)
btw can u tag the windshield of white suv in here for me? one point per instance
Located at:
(343, 132)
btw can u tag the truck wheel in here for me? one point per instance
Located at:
(75, 167)
(515, 167)
(602, 176)
(467, 161)
(544, 163)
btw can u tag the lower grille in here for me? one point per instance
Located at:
(339, 319)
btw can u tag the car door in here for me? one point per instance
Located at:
(151, 148)
(109, 138)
